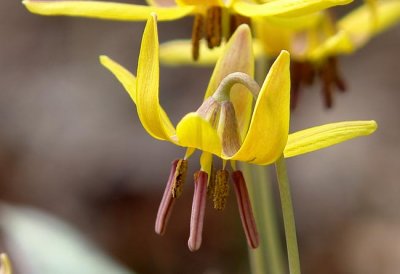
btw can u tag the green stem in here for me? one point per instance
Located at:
(267, 258)
(288, 216)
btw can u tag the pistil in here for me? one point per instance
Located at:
(245, 209)
(198, 208)
(167, 203)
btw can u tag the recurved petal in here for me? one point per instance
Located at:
(362, 23)
(179, 52)
(269, 126)
(237, 56)
(105, 10)
(320, 137)
(195, 132)
(127, 79)
(153, 118)
(340, 43)
(287, 8)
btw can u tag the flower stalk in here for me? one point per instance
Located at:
(288, 217)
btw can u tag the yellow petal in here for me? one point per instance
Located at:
(340, 43)
(269, 125)
(153, 118)
(315, 138)
(105, 10)
(237, 56)
(362, 24)
(200, 3)
(195, 132)
(127, 79)
(285, 7)
(161, 3)
(179, 52)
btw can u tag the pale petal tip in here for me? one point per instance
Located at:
(153, 16)
(373, 126)
(284, 54)
(103, 59)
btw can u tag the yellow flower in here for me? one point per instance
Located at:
(225, 125)
(213, 19)
(5, 267)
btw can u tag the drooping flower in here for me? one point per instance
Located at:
(213, 19)
(225, 125)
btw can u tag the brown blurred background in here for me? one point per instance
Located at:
(71, 144)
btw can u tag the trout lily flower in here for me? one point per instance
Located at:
(225, 126)
(213, 19)
(315, 42)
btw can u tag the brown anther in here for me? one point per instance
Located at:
(213, 26)
(228, 129)
(221, 189)
(179, 178)
(211, 184)
(235, 21)
(245, 209)
(198, 209)
(197, 34)
(167, 203)
(301, 74)
(330, 78)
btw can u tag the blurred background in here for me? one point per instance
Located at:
(71, 145)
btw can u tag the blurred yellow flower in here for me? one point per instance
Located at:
(225, 124)
(213, 19)
(5, 267)
(314, 42)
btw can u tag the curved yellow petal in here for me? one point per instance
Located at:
(320, 137)
(287, 8)
(179, 52)
(237, 56)
(269, 127)
(151, 115)
(105, 10)
(127, 79)
(362, 24)
(195, 132)
(340, 43)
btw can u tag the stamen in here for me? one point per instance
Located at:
(211, 184)
(198, 208)
(235, 21)
(179, 178)
(330, 77)
(221, 189)
(167, 203)
(197, 34)
(245, 209)
(214, 27)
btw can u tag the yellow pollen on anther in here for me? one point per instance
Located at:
(179, 178)
(221, 189)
